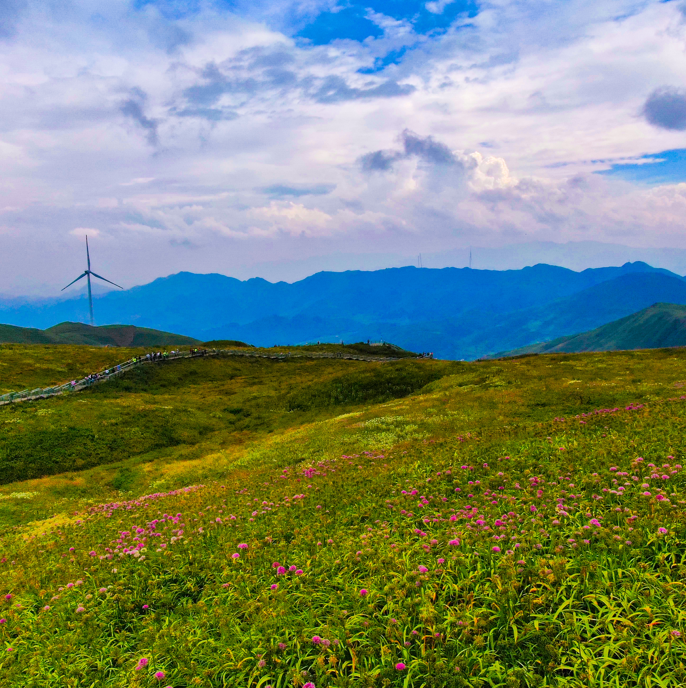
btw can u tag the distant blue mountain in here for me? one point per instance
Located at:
(456, 313)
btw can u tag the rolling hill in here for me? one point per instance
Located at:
(106, 335)
(658, 326)
(246, 522)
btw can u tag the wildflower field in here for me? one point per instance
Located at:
(420, 523)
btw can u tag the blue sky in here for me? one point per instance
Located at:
(351, 21)
(667, 167)
(348, 20)
(237, 136)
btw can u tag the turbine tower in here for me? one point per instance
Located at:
(88, 274)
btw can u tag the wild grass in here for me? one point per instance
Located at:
(509, 523)
(178, 405)
(28, 366)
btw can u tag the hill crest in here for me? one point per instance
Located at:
(104, 335)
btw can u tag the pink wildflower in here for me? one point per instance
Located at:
(363, 592)
(235, 555)
(243, 545)
(159, 675)
(662, 531)
(400, 666)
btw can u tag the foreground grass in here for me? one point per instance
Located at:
(482, 531)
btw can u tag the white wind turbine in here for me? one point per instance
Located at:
(88, 274)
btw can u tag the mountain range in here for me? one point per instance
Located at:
(452, 312)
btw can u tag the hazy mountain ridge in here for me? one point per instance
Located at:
(453, 312)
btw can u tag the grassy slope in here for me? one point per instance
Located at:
(659, 326)
(24, 335)
(80, 333)
(171, 408)
(226, 344)
(29, 366)
(386, 488)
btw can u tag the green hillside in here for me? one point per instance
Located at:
(105, 335)
(225, 344)
(251, 522)
(660, 325)
(24, 335)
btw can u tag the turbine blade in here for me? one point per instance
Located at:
(104, 280)
(88, 254)
(76, 280)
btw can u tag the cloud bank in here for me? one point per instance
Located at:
(194, 136)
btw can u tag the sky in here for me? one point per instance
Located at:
(278, 138)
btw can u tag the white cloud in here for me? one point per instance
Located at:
(531, 101)
(85, 231)
(438, 6)
(139, 180)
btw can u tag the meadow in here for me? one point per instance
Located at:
(420, 523)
